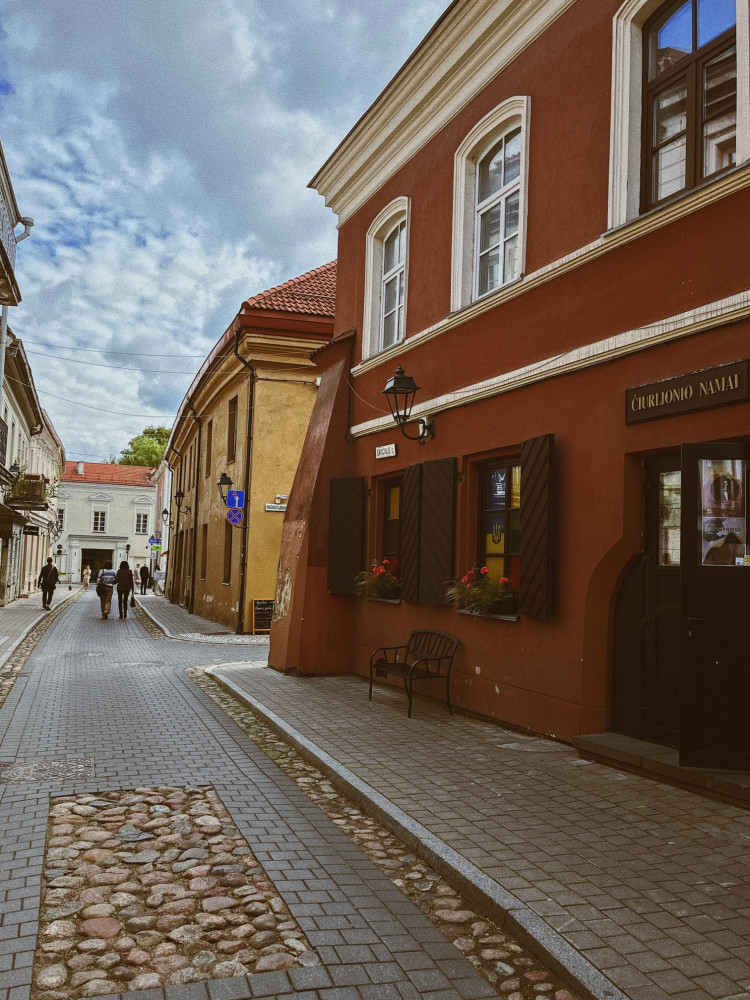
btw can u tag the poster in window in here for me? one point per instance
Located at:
(723, 507)
(496, 488)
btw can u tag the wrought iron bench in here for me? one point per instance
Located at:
(426, 656)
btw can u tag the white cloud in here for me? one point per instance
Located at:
(164, 150)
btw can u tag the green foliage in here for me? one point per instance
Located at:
(146, 448)
(378, 582)
(476, 592)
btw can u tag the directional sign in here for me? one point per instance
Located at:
(235, 498)
(235, 515)
(152, 540)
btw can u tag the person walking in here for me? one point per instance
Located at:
(48, 581)
(104, 584)
(144, 578)
(124, 582)
(86, 576)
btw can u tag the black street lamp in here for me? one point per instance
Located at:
(225, 484)
(178, 498)
(400, 391)
(166, 517)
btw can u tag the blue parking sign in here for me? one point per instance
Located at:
(235, 498)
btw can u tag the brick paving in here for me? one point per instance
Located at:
(647, 884)
(102, 706)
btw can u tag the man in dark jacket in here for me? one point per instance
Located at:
(48, 582)
(144, 578)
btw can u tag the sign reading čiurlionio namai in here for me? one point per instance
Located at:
(697, 391)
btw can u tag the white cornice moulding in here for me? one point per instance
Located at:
(719, 313)
(100, 497)
(463, 55)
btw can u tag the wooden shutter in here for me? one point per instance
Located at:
(411, 499)
(437, 529)
(345, 523)
(536, 526)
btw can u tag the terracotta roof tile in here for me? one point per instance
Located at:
(104, 472)
(313, 293)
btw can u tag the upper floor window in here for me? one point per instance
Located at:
(141, 524)
(392, 525)
(393, 283)
(61, 518)
(680, 106)
(100, 520)
(489, 204)
(386, 268)
(209, 445)
(690, 96)
(498, 201)
(232, 429)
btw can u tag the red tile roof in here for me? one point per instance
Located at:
(313, 293)
(104, 472)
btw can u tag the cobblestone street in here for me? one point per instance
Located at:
(146, 840)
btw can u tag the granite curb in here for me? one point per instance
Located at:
(501, 906)
(216, 639)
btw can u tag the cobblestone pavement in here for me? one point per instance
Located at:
(101, 707)
(646, 884)
(18, 618)
(177, 623)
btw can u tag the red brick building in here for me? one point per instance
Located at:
(543, 219)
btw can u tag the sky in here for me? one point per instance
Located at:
(163, 149)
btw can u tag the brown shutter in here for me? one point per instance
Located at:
(411, 499)
(536, 526)
(345, 523)
(436, 530)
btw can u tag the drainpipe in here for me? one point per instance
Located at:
(195, 506)
(248, 463)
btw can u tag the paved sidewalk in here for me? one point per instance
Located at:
(637, 888)
(18, 618)
(177, 623)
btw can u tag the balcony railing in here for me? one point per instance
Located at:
(29, 493)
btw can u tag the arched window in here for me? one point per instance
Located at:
(386, 278)
(690, 96)
(489, 203)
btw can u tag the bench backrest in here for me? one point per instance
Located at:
(432, 645)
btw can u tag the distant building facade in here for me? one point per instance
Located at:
(244, 418)
(105, 512)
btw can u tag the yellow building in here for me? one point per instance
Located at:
(243, 421)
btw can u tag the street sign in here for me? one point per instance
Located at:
(235, 498)
(30, 529)
(156, 548)
(235, 515)
(153, 541)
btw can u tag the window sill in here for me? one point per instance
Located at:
(514, 617)
(384, 600)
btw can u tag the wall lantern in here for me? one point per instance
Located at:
(400, 392)
(178, 498)
(224, 484)
(166, 517)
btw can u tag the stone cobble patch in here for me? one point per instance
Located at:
(510, 968)
(151, 888)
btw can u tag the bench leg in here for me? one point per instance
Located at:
(448, 693)
(369, 697)
(409, 689)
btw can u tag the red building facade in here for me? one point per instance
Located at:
(542, 219)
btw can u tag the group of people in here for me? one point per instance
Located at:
(124, 579)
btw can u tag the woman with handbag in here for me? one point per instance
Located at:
(124, 581)
(104, 584)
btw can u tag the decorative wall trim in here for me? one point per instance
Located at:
(713, 314)
(735, 180)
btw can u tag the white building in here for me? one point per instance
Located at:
(105, 512)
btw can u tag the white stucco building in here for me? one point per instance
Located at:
(106, 512)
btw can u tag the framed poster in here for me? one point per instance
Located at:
(723, 512)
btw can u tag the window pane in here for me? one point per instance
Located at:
(720, 144)
(496, 566)
(714, 18)
(491, 171)
(515, 487)
(496, 488)
(669, 170)
(389, 329)
(671, 40)
(512, 155)
(669, 518)
(390, 251)
(391, 294)
(490, 228)
(494, 532)
(489, 271)
(720, 82)
(511, 214)
(510, 259)
(514, 528)
(670, 109)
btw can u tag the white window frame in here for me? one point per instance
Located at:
(94, 529)
(60, 518)
(138, 515)
(511, 114)
(382, 226)
(627, 100)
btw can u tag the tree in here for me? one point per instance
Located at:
(146, 448)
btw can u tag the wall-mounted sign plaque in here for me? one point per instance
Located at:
(687, 393)
(386, 451)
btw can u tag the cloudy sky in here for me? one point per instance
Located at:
(163, 149)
